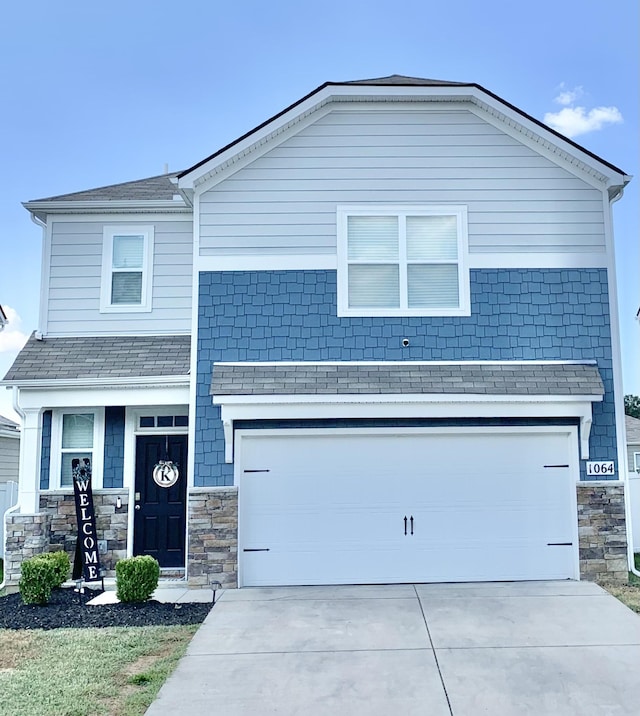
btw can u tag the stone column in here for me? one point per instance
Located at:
(213, 536)
(602, 531)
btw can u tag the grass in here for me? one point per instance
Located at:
(87, 672)
(628, 594)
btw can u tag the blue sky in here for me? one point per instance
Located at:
(95, 94)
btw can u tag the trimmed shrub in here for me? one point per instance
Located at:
(61, 564)
(136, 578)
(37, 579)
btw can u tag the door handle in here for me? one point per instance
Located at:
(137, 507)
(405, 524)
(411, 524)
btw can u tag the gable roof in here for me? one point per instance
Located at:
(100, 359)
(557, 379)
(441, 90)
(633, 430)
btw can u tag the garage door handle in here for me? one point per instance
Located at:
(405, 524)
(411, 524)
(559, 544)
(264, 549)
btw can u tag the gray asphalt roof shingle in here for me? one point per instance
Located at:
(158, 188)
(389, 378)
(101, 357)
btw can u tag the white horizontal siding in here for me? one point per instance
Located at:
(285, 201)
(9, 456)
(75, 275)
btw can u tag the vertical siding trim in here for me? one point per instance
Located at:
(45, 274)
(616, 361)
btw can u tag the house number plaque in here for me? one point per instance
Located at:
(165, 473)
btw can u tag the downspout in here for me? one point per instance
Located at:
(43, 268)
(16, 507)
(627, 491)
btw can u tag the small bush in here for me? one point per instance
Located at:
(61, 564)
(38, 577)
(136, 578)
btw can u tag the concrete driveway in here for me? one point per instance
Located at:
(539, 648)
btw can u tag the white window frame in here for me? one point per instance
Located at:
(97, 451)
(459, 211)
(636, 461)
(109, 232)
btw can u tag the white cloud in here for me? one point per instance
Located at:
(573, 121)
(12, 338)
(567, 97)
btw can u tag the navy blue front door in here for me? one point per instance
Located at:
(160, 502)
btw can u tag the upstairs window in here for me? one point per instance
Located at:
(403, 261)
(126, 269)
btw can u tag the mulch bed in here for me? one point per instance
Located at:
(68, 609)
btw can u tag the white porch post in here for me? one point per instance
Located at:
(29, 477)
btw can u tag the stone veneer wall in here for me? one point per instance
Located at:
(55, 527)
(27, 535)
(602, 532)
(213, 536)
(111, 522)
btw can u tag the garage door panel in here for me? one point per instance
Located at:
(330, 507)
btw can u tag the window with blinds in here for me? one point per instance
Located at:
(77, 442)
(402, 261)
(126, 270)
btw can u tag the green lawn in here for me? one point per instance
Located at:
(87, 672)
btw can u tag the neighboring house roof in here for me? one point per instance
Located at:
(406, 378)
(304, 104)
(100, 358)
(9, 429)
(633, 430)
(3, 318)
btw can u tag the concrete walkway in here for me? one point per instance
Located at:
(504, 649)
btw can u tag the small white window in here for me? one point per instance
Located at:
(636, 461)
(403, 261)
(77, 434)
(127, 259)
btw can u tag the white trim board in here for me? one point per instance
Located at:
(400, 406)
(329, 261)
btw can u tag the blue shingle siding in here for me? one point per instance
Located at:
(45, 450)
(516, 314)
(113, 447)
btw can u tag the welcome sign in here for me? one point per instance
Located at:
(87, 560)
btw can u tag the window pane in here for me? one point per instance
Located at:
(128, 251)
(77, 431)
(126, 287)
(374, 286)
(372, 238)
(66, 478)
(433, 286)
(432, 238)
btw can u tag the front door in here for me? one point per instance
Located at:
(160, 498)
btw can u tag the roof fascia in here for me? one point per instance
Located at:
(42, 209)
(96, 382)
(504, 112)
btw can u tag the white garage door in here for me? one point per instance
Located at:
(359, 507)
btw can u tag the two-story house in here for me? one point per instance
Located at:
(373, 340)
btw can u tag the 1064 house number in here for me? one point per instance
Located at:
(603, 467)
